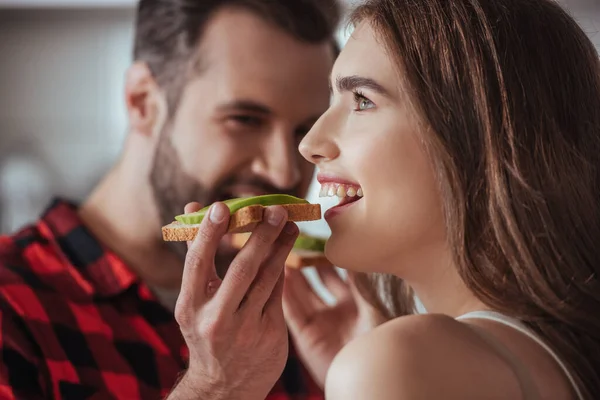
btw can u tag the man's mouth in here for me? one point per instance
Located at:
(346, 193)
(242, 191)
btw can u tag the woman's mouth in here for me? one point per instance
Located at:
(346, 193)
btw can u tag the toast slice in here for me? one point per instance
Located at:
(306, 258)
(298, 258)
(243, 220)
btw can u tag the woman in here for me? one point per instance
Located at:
(471, 128)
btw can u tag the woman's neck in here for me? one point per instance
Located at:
(450, 297)
(437, 284)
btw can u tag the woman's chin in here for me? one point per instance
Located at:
(337, 251)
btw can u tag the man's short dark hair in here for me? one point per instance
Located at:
(168, 31)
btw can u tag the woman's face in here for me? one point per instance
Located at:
(369, 152)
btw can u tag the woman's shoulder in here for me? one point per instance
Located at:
(419, 356)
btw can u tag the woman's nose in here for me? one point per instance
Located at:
(318, 144)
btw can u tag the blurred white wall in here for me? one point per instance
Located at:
(62, 118)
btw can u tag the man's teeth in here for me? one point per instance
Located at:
(339, 190)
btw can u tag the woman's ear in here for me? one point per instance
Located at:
(145, 101)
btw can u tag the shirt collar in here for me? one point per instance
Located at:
(105, 271)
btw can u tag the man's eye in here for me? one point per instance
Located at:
(246, 120)
(302, 131)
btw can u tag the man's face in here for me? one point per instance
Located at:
(239, 121)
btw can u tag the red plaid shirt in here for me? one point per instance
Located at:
(76, 323)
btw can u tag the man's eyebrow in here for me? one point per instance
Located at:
(254, 107)
(245, 106)
(352, 82)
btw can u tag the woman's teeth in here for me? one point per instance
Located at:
(339, 190)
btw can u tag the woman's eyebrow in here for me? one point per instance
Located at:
(352, 82)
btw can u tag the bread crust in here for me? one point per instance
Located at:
(300, 259)
(243, 220)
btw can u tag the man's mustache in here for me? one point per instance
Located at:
(261, 185)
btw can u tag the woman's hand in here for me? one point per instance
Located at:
(235, 329)
(319, 330)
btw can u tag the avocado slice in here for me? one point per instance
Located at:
(238, 203)
(305, 242)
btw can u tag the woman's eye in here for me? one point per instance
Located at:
(362, 103)
(365, 104)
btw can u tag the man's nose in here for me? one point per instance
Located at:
(280, 162)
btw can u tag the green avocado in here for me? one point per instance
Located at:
(305, 242)
(238, 203)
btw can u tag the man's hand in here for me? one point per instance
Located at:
(319, 330)
(235, 329)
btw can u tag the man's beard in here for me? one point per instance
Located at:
(173, 188)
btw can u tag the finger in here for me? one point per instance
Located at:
(199, 273)
(274, 307)
(300, 301)
(298, 286)
(190, 208)
(245, 266)
(272, 268)
(296, 314)
(277, 294)
(334, 283)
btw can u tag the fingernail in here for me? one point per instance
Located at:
(274, 216)
(218, 212)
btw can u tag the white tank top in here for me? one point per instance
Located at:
(519, 326)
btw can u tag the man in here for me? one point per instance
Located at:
(218, 98)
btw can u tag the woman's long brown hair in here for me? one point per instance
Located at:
(509, 93)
